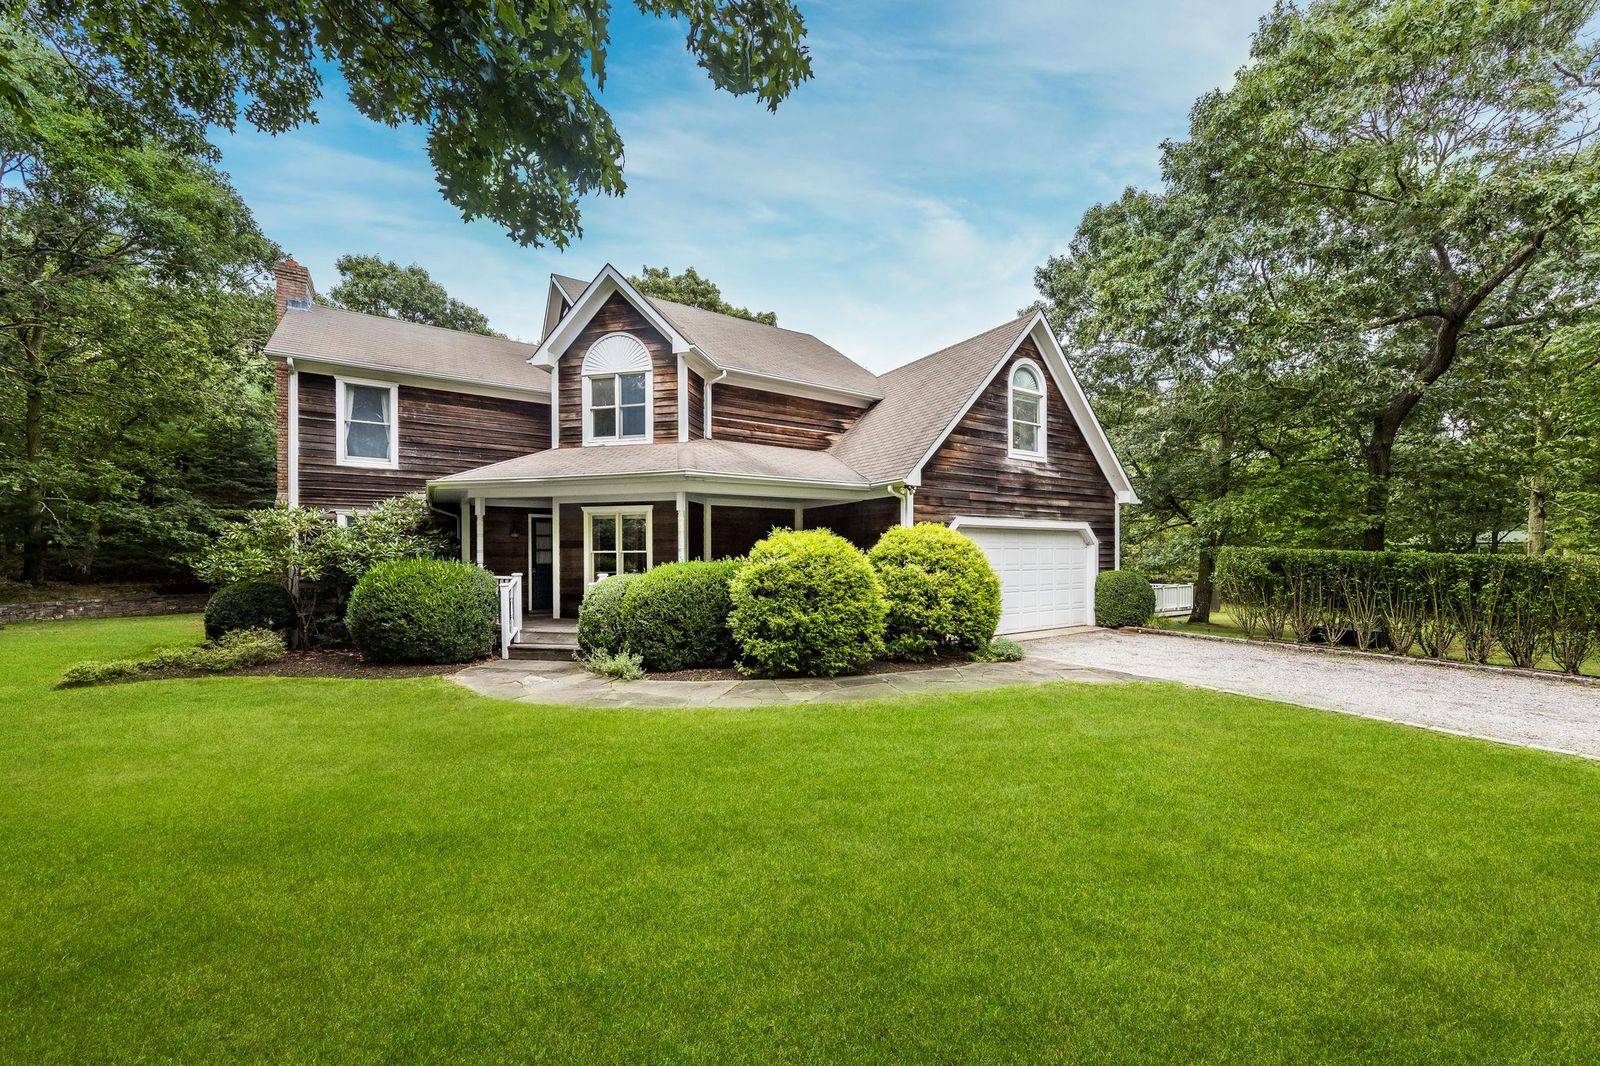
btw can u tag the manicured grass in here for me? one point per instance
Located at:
(316, 869)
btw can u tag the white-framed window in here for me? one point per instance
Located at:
(342, 516)
(367, 422)
(616, 540)
(1027, 404)
(617, 391)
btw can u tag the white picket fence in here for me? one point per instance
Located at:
(1173, 600)
(510, 587)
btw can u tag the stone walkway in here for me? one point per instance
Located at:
(568, 683)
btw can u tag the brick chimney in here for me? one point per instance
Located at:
(293, 283)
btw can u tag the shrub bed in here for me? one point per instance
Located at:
(676, 616)
(1123, 598)
(1441, 605)
(940, 591)
(255, 604)
(602, 625)
(423, 611)
(807, 603)
(233, 650)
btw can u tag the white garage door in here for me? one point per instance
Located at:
(1046, 575)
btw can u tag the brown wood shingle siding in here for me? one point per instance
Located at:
(859, 523)
(617, 315)
(663, 546)
(759, 417)
(440, 433)
(697, 406)
(971, 473)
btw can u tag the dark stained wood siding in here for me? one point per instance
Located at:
(617, 315)
(663, 546)
(772, 418)
(971, 474)
(441, 433)
(734, 530)
(859, 523)
(697, 406)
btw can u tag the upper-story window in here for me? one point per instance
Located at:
(1027, 411)
(616, 391)
(367, 433)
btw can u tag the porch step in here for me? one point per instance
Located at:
(546, 652)
(546, 639)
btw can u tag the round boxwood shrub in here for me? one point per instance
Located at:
(254, 604)
(941, 592)
(1123, 598)
(677, 615)
(423, 611)
(602, 626)
(806, 603)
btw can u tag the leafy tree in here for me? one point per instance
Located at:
(1414, 160)
(377, 286)
(507, 91)
(129, 297)
(692, 289)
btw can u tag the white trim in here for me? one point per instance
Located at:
(292, 485)
(1077, 402)
(617, 510)
(683, 524)
(1042, 453)
(811, 390)
(686, 474)
(339, 408)
(318, 364)
(705, 534)
(464, 532)
(478, 510)
(683, 400)
(799, 518)
(555, 406)
(341, 516)
(555, 302)
(616, 374)
(605, 283)
(706, 411)
(1116, 535)
(555, 558)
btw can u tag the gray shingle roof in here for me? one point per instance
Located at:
(692, 457)
(754, 347)
(327, 333)
(919, 400)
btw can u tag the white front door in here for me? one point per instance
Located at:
(1046, 575)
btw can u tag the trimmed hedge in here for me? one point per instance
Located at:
(807, 603)
(940, 590)
(1446, 606)
(676, 615)
(258, 603)
(1123, 598)
(602, 625)
(424, 611)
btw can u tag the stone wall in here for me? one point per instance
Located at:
(121, 607)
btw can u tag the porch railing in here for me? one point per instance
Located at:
(1172, 600)
(510, 587)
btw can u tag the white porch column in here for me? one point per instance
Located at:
(478, 509)
(466, 529)
(683, 521)
(799, 518)
(907, 509)
(705, 543)
(555, 558)
(292, 485)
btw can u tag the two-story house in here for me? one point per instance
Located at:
(640, 431)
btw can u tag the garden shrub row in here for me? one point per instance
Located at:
(1445, 606)
(804, 603)
(233, 650)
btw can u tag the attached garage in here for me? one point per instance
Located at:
(1047, 570)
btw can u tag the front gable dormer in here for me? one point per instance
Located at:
(616, 380)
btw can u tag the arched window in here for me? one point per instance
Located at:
(616, 391)
(1027, 411)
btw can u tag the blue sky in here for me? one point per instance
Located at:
(898, 202)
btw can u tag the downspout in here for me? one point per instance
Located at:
(905, 494)
(705, 415)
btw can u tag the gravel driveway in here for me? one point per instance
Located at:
(1553, 715)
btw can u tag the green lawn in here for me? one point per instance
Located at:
(255, 867)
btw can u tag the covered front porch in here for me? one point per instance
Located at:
(564, 538)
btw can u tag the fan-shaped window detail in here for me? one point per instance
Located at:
(616, 390)
(1027, 411)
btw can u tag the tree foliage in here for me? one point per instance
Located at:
(508, 92)
(377, 286)
(696, 291)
